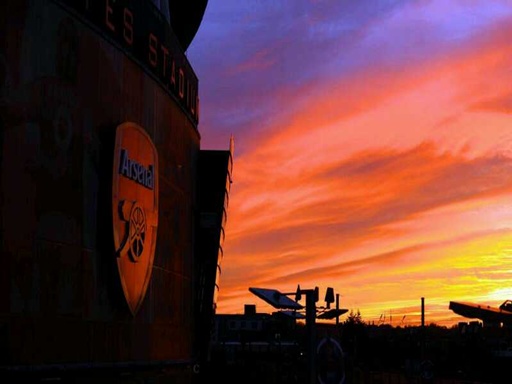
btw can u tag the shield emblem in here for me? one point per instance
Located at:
(134, 209)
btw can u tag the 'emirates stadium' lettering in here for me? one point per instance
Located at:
(144, 34)
(135, 171)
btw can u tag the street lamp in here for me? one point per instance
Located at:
(311, 299)
(281, 301)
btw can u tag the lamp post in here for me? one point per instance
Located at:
(311, 298)
(337, 308)
(281, 301)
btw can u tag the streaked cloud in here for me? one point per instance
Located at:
(373, 147)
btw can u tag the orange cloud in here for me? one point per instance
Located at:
(388, 186)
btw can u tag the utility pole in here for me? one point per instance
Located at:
(281, 301)
(311, 332)
(337, 308)
(422, 341)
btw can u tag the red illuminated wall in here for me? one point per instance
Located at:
(65, 85)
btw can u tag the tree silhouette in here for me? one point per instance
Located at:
(354, 318)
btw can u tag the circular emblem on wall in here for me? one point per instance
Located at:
(330, 362)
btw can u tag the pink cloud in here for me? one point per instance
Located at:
(370, 169)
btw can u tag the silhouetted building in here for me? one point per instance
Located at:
(257, 347)
(252, 326)
(106, 258)
(489, 315)
(214, 184)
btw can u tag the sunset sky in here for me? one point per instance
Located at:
(373, 150)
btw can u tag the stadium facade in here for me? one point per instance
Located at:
(112, 216)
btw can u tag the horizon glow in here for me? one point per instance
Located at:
(373, 150)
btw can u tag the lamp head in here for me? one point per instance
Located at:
(329, 296)
(298, 293)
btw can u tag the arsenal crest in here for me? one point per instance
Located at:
(135, 210)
